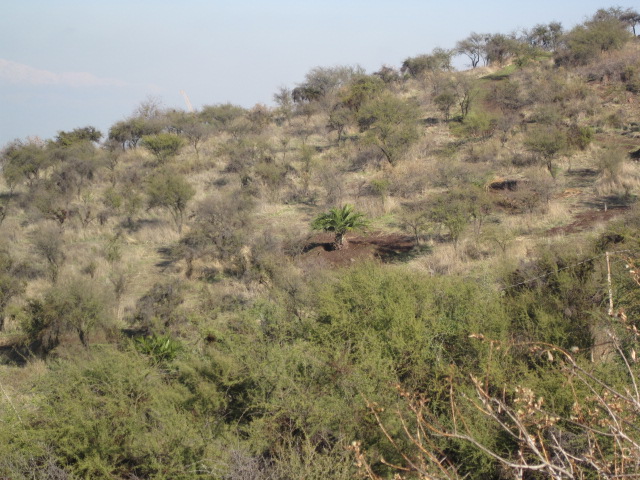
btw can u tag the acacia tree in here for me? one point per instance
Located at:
(340, 221)
(85, 134)
(391, 124)
(163, 145)
(474, 47)
(23, 160)
(438, 60)
(172, 192)
(547, 142)
(74, 306)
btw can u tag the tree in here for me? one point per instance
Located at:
(340, 221)
(10, 286)
(325, 82)
(284, 101)
(86, 134)
(631, 18)
(453, 211)
(73, 306)
(438, 60)
(499, 48)
(339, 119)
(23, 160)
(391, 124)
(604, 32)
(445, 101)
(172, 192)
(546, 37)
(163, 145)
(220, 231)
(547, 142)
(474, 47)
(221, 115)
(387, 74)
(48, 242)
(359, 90)
(191, 127)
(414, 219)
(128, 132)
(467, 92)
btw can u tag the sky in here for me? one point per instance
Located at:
(67, 64)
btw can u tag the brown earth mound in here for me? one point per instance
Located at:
(385, 247)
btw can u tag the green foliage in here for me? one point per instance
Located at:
(191, 127)
(78, 135)
(221, 115)
(580, 137)
(160, 349)
(163, 145)
(128, 132)
(361, 89)
(474, 47)
(221, 229)
(453, 210)
(445, 101)
(10, 286)
(23, 161)
(555, 304)
(324, 82)
(585, 42)
(48, 242)
(257, 355)
(340, 221)
(477, 124)
(112, 416)
(391, 124)
(499, 48)
(170, 191)
(72, 306)
(548, 142)
(339, 119)
(157, 310)
(438, 60)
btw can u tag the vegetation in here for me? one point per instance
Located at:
(169, 306)
(340, 221)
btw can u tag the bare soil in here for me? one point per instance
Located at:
(385, 247)
(587, 219)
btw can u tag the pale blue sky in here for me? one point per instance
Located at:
(67, 64)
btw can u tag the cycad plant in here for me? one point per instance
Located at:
(340, 221)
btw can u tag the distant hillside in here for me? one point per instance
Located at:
(417, 272)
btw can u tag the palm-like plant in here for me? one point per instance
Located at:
(340, 221)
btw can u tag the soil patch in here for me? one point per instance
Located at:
(585, 220)
(386, 247)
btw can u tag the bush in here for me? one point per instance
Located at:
(72, 306)
(163, 145)
(108, 416)
(172, 192)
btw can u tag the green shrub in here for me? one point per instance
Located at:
(159, 349)
(109, 415)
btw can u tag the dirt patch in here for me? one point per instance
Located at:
(585, 220)
(386, 247)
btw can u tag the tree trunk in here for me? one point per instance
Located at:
(340, 242)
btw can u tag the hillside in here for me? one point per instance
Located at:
(175, 302)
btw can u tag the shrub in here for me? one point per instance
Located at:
(108, 416)
(163, 145)
(72, 306)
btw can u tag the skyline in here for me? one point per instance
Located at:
(69, 64)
